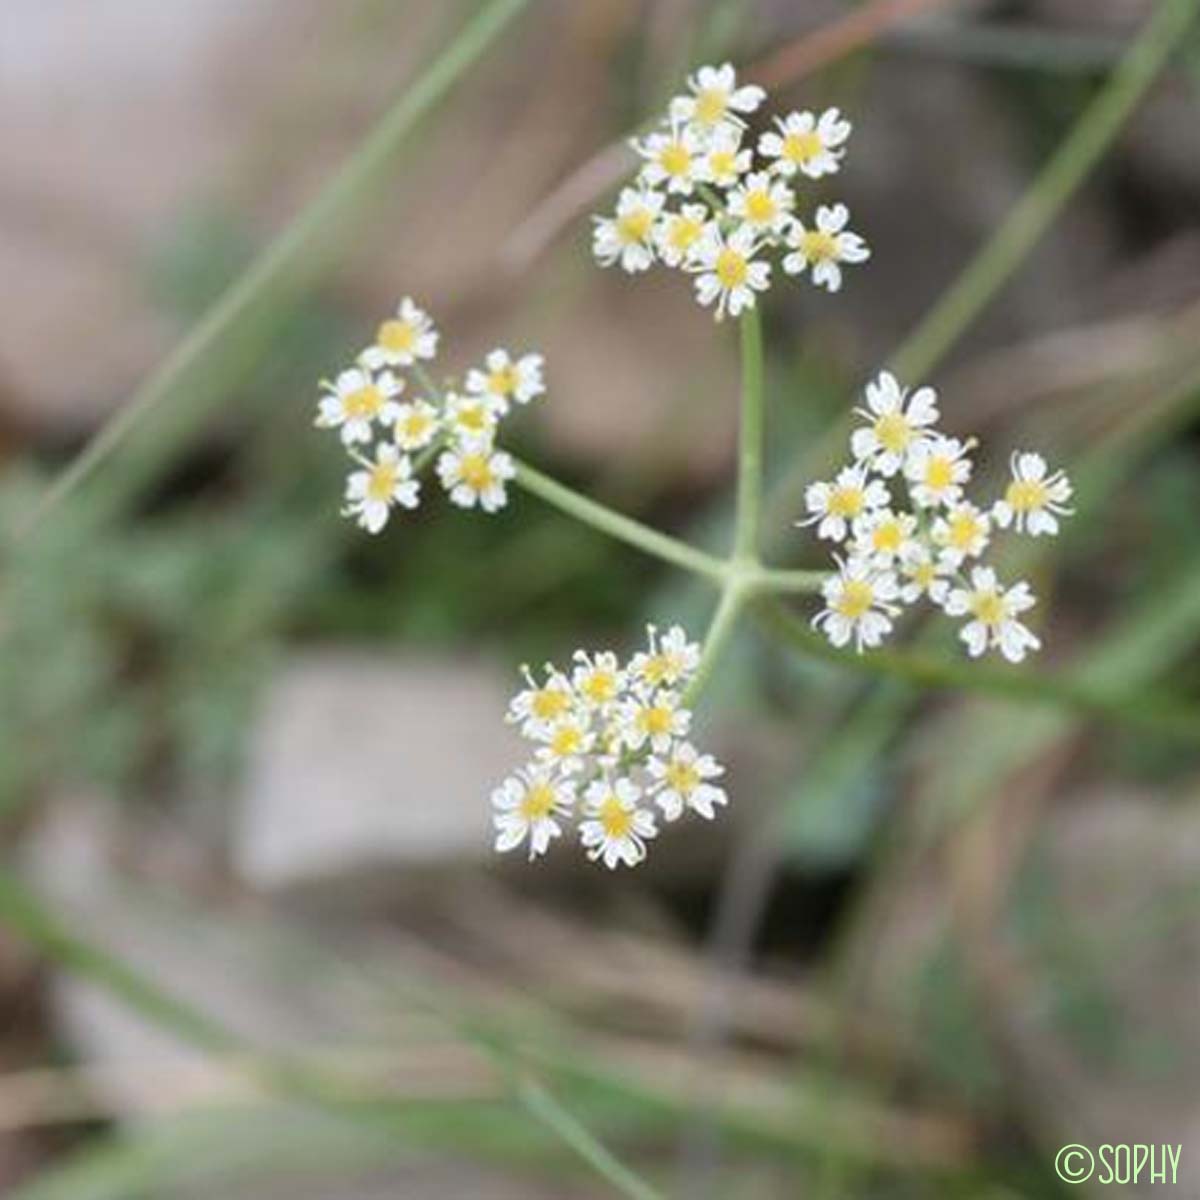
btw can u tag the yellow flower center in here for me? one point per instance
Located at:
(503, 380)
(888, 537)
(662, 668)
(723, 163)
(634, 227)
(566, 741)
(414, 425)
(548, 703)
(964, 529)
(473, 418)
(538, 802)
(711, 105)
(761, 208)
(939, 473)
(988, 607)
(846, 501)
(1024, 495)
(676, 159)
(731, 268)
(684, 233)
(682, 777)
(924, 574)
(818, 246)
(397, 336)
(365, 402)
(856, 599)
(801, 147)
(600, 687)
(655, 720)
(382, 482)
(476, 472)
(893, 432)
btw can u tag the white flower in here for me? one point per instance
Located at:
(681, 782)
(370, 493)
(725, 161)
(402, 339)
(657, 719)
(899, 422)
(472, 417)
(1034, 500)
(993, 612)
(628, 237)
(673, 158)
(825, 247)
(937, 469)
(729, 275)
(527, 805)
(669, 661)
(859, 604)
(837, 504)
(474, 473)
(763, 203)
(962, 533)
(923, 574)
(883, 535)
(537, 707)
(681, 234)
(416, 425)
(806, 143)
(505, 379)
(567, 742)
(716, 99)
(598, 679)
(356, 400)
(617, 829)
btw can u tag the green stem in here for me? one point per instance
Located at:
(720, 630)
(750, 442)
(624, 529)
(230, 335)
(770, 579)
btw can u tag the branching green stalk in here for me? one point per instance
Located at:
(205, 364)
(750, 441)
(624, 529)
(720, 630)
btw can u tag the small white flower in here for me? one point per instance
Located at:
(993, 612)
(628, 237)
(728, 273)
(858, 604)
(681, 782)
(883, 536)
(681, 234)
(537, 707)
(657, 719)
(505, 379)
(763, 203)
(669, 661)
(673, 158)
(356, 401)
(806, 143)
(416, 425)
(835, 505)
(475, 473)
(1034, 500)
(937, 469)
(566, 742)
(716, 99)
(825, 247)
(598, 679)
(725, 161)
(527, 808)
(472, 417)
(962, 533)
(402, 339)
(923, 573)
(617, 829)
(371, 492)
(898, 423)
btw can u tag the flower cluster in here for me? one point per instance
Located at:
(612, 741)
(374, 405)
(707, 203)
(929, 543)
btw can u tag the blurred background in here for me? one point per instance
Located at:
(253, 939)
